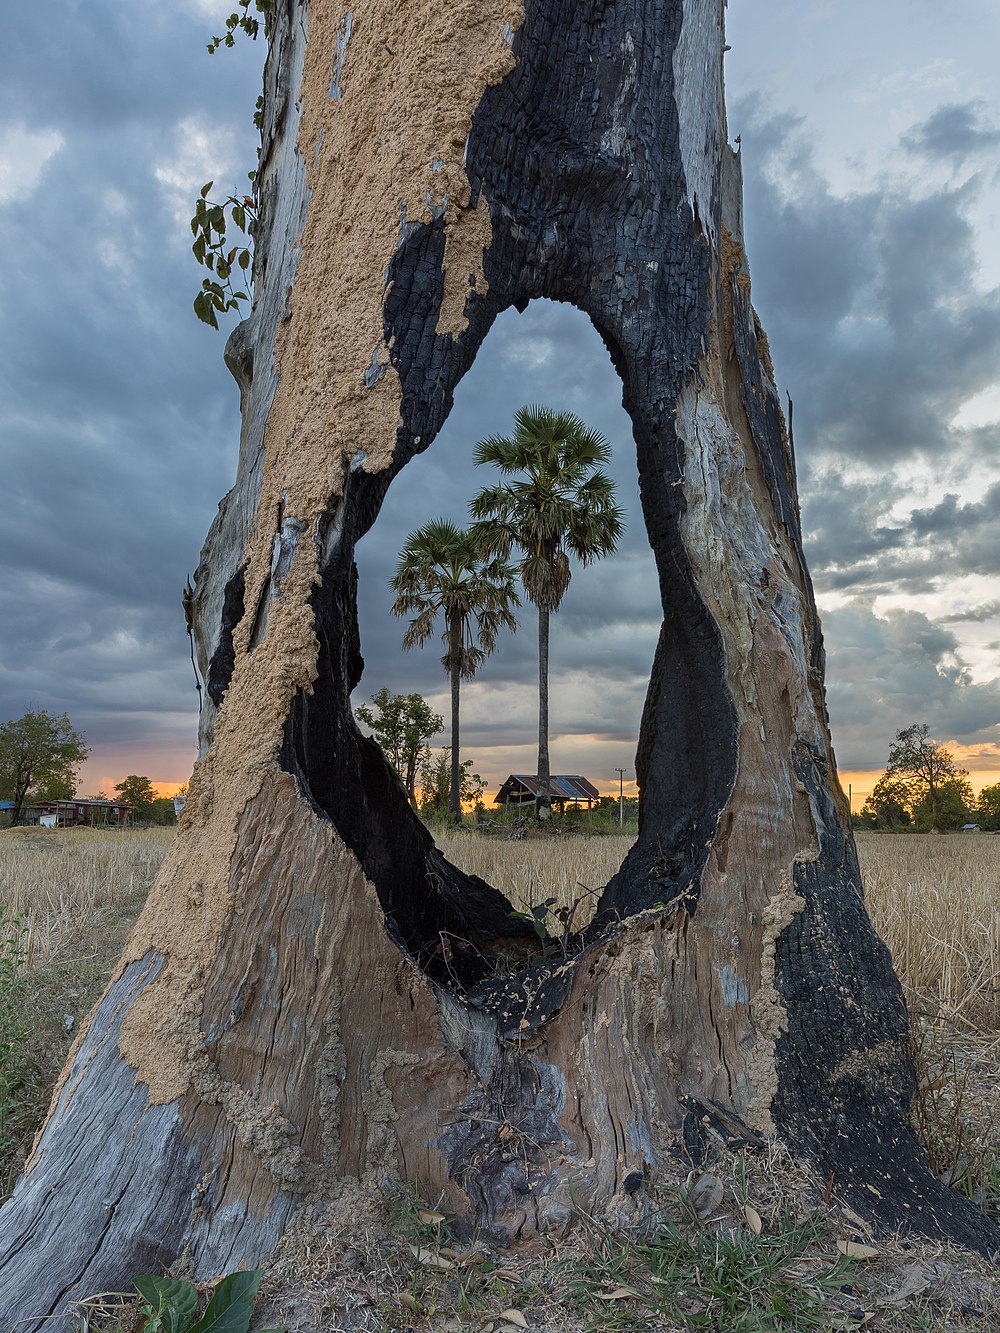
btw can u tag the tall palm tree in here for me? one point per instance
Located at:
(441, 570)
(556, 502)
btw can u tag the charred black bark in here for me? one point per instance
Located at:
(220, 668)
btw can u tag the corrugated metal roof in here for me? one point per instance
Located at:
(564, 786)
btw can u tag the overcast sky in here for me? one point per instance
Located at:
(871, 148)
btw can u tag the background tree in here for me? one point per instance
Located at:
(402, 724)
(888, 806)
(138, 792)
(161, 812)
(557, 503)
(442, 571)
(925, 770)
(435, 784)
(39, 754)
(988, 808)
(950, 807)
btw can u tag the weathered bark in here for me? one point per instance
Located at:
(313, 995)
(543, 800)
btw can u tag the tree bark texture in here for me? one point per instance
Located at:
(313, 998)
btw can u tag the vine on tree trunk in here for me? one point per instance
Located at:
(208, 225)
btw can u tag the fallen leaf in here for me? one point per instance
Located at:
(430, 1218)
(468, 1258)
(706, 1195)
(753, 1219)
(409, 1300)
(513, 1317)
(852, 1249)
(619, 1294)
(505, 1275)
(429, 1258)
(914, 1282)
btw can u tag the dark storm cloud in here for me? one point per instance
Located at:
(119, 425)
(118, 421)
(877, 325)
(852, 547)
(844, 522)
(881, 333)
(886, 672)
(953, 131)
(950, 519)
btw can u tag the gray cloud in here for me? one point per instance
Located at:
(886, 672)
(976, 614)
(954, 131)
(877, 325)
(118, 422)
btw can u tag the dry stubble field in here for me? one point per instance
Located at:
(933, 899)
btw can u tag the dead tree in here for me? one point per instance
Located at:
(313, 994)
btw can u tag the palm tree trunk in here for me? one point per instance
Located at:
(543, 799)
(455, 654)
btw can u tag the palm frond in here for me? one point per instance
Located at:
(556, 499)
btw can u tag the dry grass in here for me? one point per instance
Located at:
(64, 881)
(936, 903)
(78, 893)
(567, 868)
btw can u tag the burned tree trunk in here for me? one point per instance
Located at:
(313, 995)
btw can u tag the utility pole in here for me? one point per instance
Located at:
(621, 797)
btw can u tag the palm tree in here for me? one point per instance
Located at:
(442, 570)
(556, 503)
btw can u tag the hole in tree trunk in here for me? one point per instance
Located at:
(458, 927)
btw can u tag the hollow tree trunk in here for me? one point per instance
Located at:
(312, 995)
(543, 801)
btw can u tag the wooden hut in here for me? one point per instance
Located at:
(564, 789)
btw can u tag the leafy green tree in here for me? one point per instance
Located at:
(139, 793)
(926, 772)
(557, 502)
(161, 811)
(948, 809)
(988, 808)
(435, 784)
(402, 724)
(888, 806)
(442, 571)
(39, 753)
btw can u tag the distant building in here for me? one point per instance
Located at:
(564, 789)
(80, 812)
(971, 828)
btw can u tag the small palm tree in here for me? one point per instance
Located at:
(441, 570)
(556, 503)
